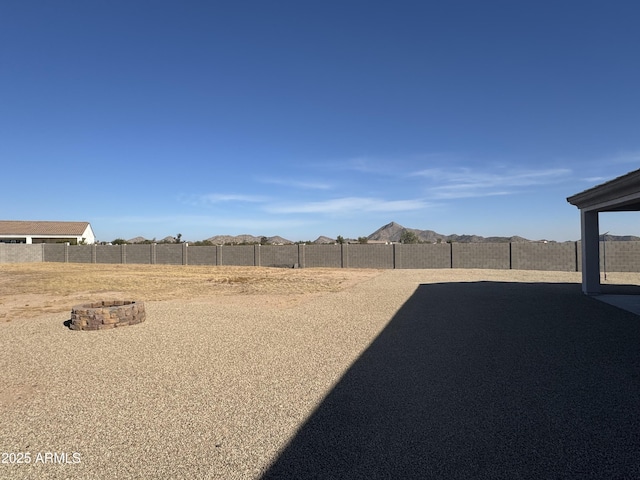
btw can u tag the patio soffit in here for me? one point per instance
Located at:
(619, 194)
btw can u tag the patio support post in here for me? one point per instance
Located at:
(590, 252)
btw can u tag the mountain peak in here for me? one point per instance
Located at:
(389, 233)
(392, 225)
(392, 232)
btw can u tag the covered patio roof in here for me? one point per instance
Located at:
(618, 195)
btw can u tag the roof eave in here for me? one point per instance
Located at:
(615, 193)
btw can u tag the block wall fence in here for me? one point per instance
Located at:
(614, 256)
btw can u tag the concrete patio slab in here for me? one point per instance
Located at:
(630, 303)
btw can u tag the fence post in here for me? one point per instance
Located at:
(152, 259)
(344, 255)
(66, 252)
(256, 255)
(510, 256)
(94, 253)
(396, 253)
(123, 254)
(301, 255)
(218, 254)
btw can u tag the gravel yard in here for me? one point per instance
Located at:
(210, 386)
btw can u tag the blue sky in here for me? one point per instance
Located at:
(301, 118)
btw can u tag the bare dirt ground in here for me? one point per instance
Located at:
(33, 289)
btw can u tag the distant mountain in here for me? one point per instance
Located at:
(322, 239)
(392, 232)
(137, 240)
(278, 241)
(231, 239)
(619, 238)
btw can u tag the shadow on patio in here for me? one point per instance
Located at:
(483, 380)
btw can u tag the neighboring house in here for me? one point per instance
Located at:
(20, 231)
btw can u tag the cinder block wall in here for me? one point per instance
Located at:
(369, 256)
(423, 256)
(80, 254)
(237, 255)
(544, 256)
(328, 256)
(202, 255)
(54, 252)
(108, 254)
(480, 255)
(143, 254)
(579, 259)
(18, 253)
(166, 254)
(278, 255)
(620, 256)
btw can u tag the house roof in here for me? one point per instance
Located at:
(22, 227)
(619, 194)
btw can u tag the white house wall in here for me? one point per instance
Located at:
(88, 235)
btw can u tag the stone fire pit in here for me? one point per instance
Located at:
(106, 314)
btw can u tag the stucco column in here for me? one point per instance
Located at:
(590, 252)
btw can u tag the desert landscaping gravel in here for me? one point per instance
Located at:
(204, 388)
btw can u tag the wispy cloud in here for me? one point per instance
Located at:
(289, 182)
(350, 205)
(625, 157)
(214, 198)
(153, 219)
(596, 179)
(211, 225)
(601, 169)
(466, 182)
(363, 164)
